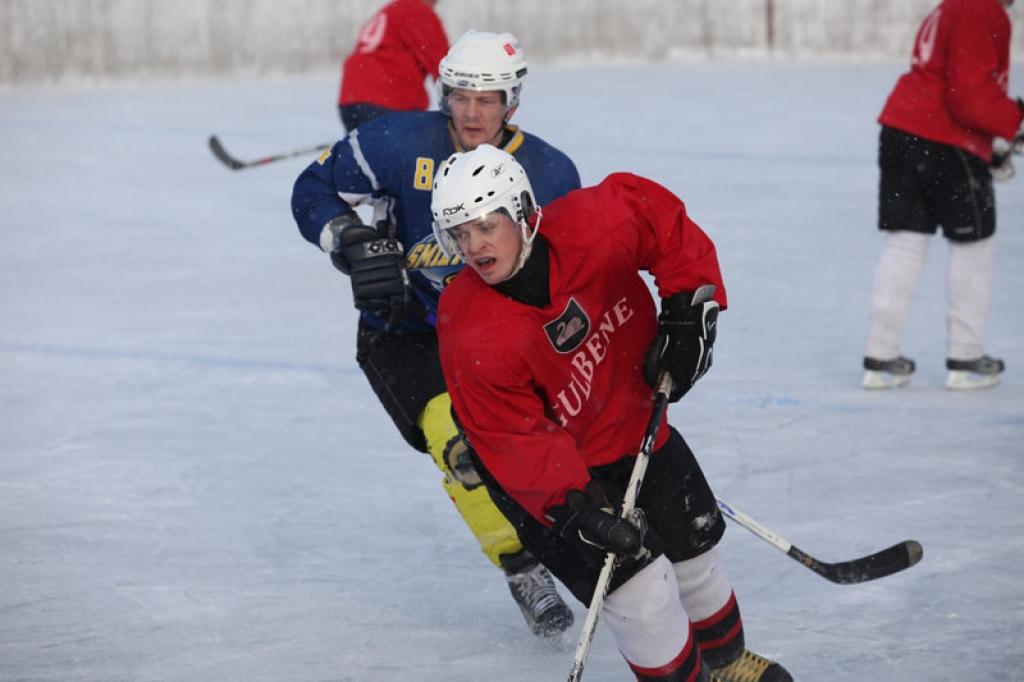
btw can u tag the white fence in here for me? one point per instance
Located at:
(52, 40)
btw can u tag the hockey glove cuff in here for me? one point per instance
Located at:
(684, 342)
(587, 519)
(330, 235)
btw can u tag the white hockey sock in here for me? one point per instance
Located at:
(646, 617)
(895, 280)
(703, 587)
(968, 289)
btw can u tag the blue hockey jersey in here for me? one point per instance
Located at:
(389, 163)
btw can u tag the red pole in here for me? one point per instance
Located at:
(769, 23)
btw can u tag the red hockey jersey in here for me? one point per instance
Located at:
(955, 91)
(544, 393)
(397, 48)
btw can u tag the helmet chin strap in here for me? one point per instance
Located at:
(528, 234)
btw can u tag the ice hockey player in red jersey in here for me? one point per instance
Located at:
(395, 51)
(549, 343)
(937, 166)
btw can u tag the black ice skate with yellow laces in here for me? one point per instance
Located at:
(750, 667)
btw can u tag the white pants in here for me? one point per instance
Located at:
(968, 290)
(650, 614)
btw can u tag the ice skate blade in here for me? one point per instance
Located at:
(875, 380)
(962, 380)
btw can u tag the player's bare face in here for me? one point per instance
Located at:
(478, 117)
(490, 245)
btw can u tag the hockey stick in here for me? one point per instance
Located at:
(871, 567)
(234, 164)
(604, 578)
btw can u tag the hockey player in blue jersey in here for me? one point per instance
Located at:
(397, 270)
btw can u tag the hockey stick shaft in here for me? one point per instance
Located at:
(235, 164)
(891, 560)
(604, 578)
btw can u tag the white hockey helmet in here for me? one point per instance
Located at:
(483, 62)
(469, 185)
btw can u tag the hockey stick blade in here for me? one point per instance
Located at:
(235, 164)
(222, 155)
(897, 558)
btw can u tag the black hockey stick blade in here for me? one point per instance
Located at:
(235, 164)
(897, 558)
(222, 155)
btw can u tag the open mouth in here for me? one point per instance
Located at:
(485, 263)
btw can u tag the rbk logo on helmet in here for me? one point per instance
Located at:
(452, 210)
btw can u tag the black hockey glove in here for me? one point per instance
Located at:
(587, 519)
(682, 347)
(376, 265)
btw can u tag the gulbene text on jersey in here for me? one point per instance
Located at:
(588, 352)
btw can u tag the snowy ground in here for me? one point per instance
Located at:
(197, 484)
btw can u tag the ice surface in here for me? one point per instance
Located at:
(197, 484)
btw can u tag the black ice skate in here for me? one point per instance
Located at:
(887, 373)
(534, 590)
(966, 375)
(750, 667)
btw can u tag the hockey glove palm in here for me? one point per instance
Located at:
(376, 265)
(682, 347)
(587, 519)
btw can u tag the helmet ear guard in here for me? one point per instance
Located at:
(528, 207)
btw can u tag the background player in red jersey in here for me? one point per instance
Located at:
(549, 343)
(935, 152)
(395, 51)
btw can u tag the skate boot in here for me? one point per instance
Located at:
(887, 373)
(750, 667)
(534, 590)
(966, 375)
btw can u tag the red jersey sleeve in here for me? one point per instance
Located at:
(650, 224)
